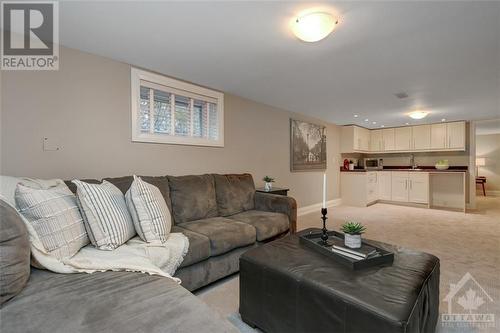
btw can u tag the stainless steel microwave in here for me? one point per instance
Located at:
(374, 163)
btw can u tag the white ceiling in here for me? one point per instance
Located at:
(445, 55)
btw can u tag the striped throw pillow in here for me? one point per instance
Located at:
(149, 211)
(105, 214)
(54, 215)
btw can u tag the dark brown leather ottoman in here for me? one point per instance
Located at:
(286, 287)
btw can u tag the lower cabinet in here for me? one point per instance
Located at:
(363, 188)
(410, 187)
(418, 188)
(384, 185)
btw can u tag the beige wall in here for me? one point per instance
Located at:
(488, 146)
(85, 106)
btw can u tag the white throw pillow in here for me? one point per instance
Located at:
(105, 214)
(149, 211)
(53, 213)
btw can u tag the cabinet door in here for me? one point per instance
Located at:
(357, 138)
(365, 139)
(399, 186)
(371, 187)
(421, 137)
(438, 136)
(402, 138)
(376, 140)
(388, 139)
(418, 187)
(384, 185)
(456, 135)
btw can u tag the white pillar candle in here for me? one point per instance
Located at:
(324, 190)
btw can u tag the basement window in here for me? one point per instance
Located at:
(165, 110)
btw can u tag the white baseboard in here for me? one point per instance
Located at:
(317, 207)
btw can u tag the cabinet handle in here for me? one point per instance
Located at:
(406, 184)
(449, 142)
(411, 184)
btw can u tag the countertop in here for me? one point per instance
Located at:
(419, 169)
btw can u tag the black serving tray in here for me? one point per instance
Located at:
(312, 241)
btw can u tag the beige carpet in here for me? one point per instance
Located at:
(465, 243)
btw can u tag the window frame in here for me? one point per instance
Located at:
(176, 86)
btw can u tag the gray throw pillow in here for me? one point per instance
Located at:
(235, 193)
(54, 215)
(14, 253)
(149, 211)
(105, 214)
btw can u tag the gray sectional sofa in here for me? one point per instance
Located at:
(222, 216)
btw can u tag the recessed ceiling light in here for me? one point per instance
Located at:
(407, 123)
(356, 116)
(374, 122)
(444, 119)
(418, 114)
(382, 125)
(366, 119)
(314, 27)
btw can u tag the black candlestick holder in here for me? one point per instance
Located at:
(324, 235)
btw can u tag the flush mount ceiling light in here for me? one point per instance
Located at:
(418, 114)
(314, 27)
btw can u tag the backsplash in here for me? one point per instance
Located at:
(424, 158)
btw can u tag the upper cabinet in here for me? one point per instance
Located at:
(421, 137)
(438, 136)
(376, 140)
(402, 138)
(388, 136)
(455, 133)
(434, 137)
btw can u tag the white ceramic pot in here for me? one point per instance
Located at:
(268, 186)
(351, 166)
(352, 241)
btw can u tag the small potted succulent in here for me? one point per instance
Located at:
(268, 183)
(353, 231)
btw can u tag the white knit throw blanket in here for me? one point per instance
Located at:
(134, 256)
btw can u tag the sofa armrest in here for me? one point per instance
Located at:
(279, 204)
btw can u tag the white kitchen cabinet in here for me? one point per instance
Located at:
(384, 185)
(410, 187)
(402, 138)
(371, 187)
(388, 139)
(399, 187)
(354, 139)
(455, 133)
(418, 187)
(376, 140)
(421, 136)
(438, 136)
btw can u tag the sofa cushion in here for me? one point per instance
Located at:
(14, 253)
(199, 246)
(149, 211)
(193, 197)
(224, 234)
(235, 193)
(55, 217)
(267, 224)
(107, 302)
(105, 214)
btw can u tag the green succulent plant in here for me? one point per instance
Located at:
(353, 228)
(268, 179)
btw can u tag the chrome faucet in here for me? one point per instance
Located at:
(412, 162)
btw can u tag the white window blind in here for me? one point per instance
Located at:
(171, 111)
